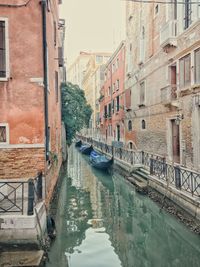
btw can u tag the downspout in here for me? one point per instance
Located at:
(45, 70)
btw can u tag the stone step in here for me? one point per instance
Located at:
(139, 182)
(22, 258)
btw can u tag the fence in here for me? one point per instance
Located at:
(175, 175)
(21, 196)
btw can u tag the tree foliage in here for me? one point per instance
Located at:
(76, 112)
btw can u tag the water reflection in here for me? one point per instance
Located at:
(108, 224)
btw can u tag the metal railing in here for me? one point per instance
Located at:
(21, 196)
(175, 175)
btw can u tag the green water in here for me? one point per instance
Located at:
(102, 222)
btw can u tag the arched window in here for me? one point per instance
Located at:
(130, 125)
(131, 145)
(143, 124)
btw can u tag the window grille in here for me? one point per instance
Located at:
(3, 134)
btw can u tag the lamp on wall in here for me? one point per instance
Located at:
(179, 118)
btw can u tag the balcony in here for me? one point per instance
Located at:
(168, 34)
(168, 95)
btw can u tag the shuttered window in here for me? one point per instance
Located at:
(197, 66)
(188, 13)
(2, 50)
(184, 69)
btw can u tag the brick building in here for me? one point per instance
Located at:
(30, 99)
(163, 76)
(112, 104)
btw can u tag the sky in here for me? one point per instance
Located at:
(92, 25)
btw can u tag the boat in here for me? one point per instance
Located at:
(86, 149)
(100, 161)
(78, 143)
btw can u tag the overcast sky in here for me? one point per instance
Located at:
(92, 25)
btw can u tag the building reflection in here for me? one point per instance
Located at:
(140, 234)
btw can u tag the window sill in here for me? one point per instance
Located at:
(4, 79)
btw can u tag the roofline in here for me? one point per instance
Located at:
(115, 53)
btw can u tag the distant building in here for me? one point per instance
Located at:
(112, 98)
(163, 79)
(30, 115)
(77, 69)
(91, 84)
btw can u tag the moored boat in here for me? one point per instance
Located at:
(86, 149)
(78, 143)
(100, 161)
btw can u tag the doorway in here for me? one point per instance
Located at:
(175, 141)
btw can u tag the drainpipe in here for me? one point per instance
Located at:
(45, 70)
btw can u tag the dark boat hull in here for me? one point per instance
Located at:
(78, 143)
(86, 150)
(102, 165)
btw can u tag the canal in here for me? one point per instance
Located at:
(103, 222)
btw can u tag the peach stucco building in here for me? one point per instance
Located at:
(112, 99)
(30, 100)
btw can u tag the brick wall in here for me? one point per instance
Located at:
(21, 162)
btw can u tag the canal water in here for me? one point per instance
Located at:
(103, 222)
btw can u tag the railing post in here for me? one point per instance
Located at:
(30, 196)
(177, 177)
(151, 166)
(120, 153)
(142, 157)
(39, 186)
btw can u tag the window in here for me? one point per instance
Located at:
(142, 45)
(118, 63)
(113, 106)
(109, 110)
(105, 112)
(187, 13)
(185, 67)
(117, 85)
(60, 57)
(113, 87)
(99, 59)
(142, 93)
(131, 145)
(197, 66)
(113, 67)
(130, 125)
(117, 103)
(143, 124)
(56, 85)
(55, 33)
(3, 49)
(156, 9)
(4, 133)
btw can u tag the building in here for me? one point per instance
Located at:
(163, 77)
(30, 115)
(112, 98)
(91, 85)
(76, 70)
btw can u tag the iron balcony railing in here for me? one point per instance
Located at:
(174, 175)
(21, 196)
